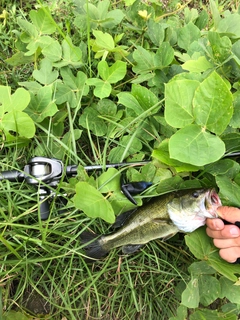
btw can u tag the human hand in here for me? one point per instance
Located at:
(226, 237)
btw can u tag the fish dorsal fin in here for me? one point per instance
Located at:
(122, 219)
(131, 248)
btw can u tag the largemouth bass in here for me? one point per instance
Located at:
(162, 218)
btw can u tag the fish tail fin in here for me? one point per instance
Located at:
(92, 245)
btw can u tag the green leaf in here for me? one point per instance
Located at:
(104, 40)
(162, 154)
(15, 315)
(229, 190)
(145, 97)
(19, 59)
(42, 105)
(114, 73)
(178, 102)
(188, 34)
(190, 296)
(230, 25)
(45, 75)
(192, 144)
(129, 101)
(203, 249)
(11, 116)
(209, 289)
(43, 21)
(102, 88)
(144, 60)
(51, 48)
(212, 104)
(164, 56)
(199, 65)
(71, 54)
(156, 32)
(18, 122)
(92, 203)
(109, 181)
(229, 290)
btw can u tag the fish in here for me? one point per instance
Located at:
(160, 218)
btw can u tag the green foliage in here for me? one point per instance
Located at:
(113, 82)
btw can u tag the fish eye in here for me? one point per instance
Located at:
(195, 194)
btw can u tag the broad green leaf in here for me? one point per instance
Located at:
(202, 248)
(235, 121)
(144, 60)
(92, 203)
(90, 120)
(19, 59)
(42, 105)
(231, 141)
(129, 101)
(212, 104)
(229, 290)
(102, 88)
(187, 34)
(209, 289)
(200, 267)
(205, 314)
(221, 46)
(104, 40)
(114, 73)
(51, 49)
(11, 116)
(43, 21)
(226, 167)
(28, 27)
(71, 55)
(45, 75)
(145, 97)
(230, 25)
(190, 296)
(199, 65)
(109, 181)
(113, 18)
(162, 154)
(229, 190)
(192, 144)
(156, 32)
(65, 94)
(19, 122)
(18, 101)
(14, 315)
(178, 102)
(164, 56)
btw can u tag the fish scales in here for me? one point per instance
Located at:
(161, 218)
(153, 217)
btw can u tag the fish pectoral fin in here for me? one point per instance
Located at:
(122, 219)
(131, 248)
(169, 236)
(162, 221)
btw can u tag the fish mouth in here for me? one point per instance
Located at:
(213, 202)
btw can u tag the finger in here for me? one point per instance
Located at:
(230, 214)
(226, 243)
(215, 224)
(230, 254)
(228, 232)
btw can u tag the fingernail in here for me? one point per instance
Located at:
(234, 231)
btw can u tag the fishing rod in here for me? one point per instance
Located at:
(46, 173)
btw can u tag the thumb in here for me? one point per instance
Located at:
(230, 214)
